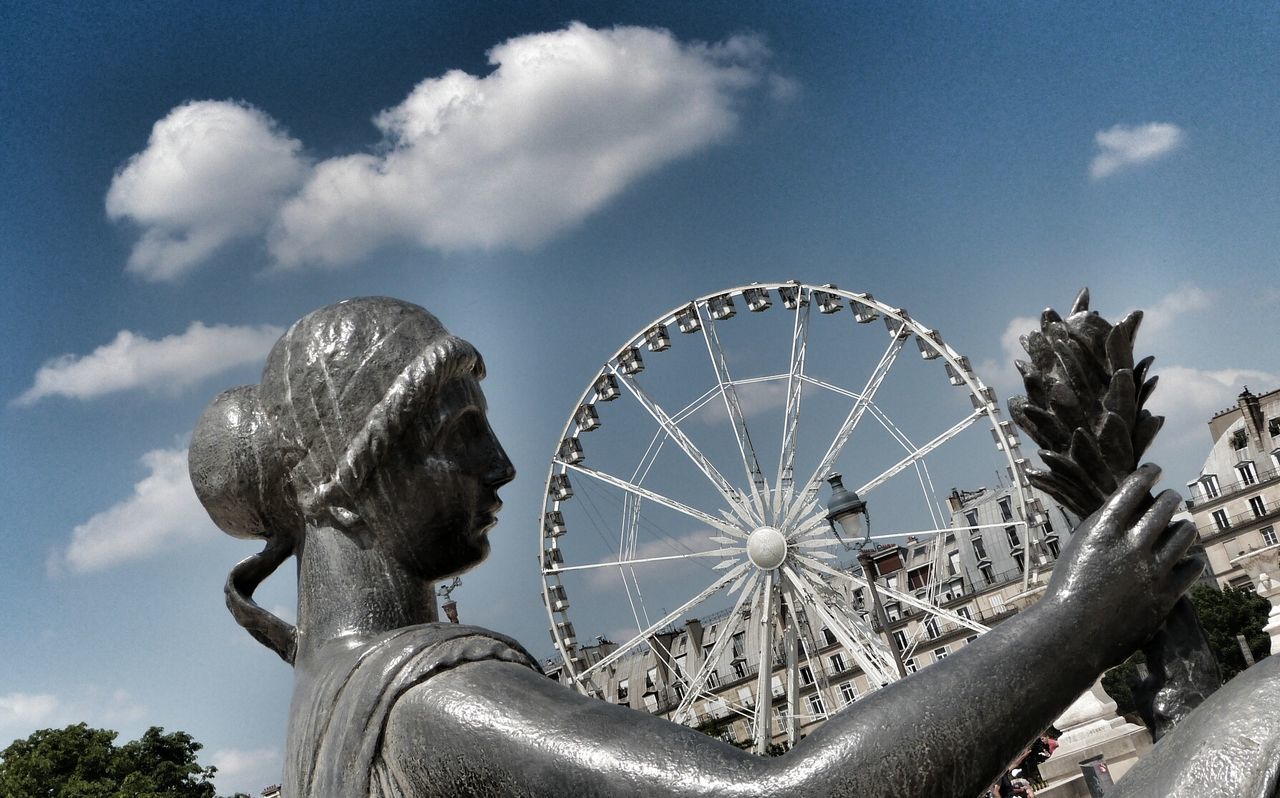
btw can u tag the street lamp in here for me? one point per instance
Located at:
(847, 512)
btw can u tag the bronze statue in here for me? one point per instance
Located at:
(365, 452)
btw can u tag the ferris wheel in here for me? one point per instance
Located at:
(688, 483)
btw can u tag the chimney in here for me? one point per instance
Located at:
(1251, 409)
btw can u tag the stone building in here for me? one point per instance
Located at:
(1235, 501)
(978, 564)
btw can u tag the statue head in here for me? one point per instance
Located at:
(368, 419)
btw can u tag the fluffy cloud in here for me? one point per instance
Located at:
(246, 770)
(162, 512)
(23, 713)
(1126, 145)
(562, 125)
(564, 122)
(134, 361)
(212, 172)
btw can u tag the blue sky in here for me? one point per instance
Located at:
(180, 185)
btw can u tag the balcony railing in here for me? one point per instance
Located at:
(1230, 489)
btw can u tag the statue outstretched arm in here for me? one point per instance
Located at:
(947, 730)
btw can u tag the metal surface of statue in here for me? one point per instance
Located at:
(365, 451)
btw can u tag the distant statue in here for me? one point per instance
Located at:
(365, 451)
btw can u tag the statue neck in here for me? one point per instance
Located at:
(347, 588)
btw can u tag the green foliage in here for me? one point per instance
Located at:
(80, 762)
(1227, 613)
(1119, 682)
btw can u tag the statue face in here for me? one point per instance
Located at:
(435, 496)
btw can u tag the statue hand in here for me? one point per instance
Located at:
(1124, 568)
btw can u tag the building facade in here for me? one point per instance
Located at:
(973, 570)
(1235, 501)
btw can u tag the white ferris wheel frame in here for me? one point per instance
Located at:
(799, 580)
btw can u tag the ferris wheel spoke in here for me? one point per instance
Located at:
(731, 495)
(763, 730)
(643, 636)
(640, 560)
(698, 684)
(898, 595)
(881, 671)
(917, 454)
(855, 415)
(645, 493)
(749, 459)
(795, 382)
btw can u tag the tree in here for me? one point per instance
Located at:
(80, 762)
(1230, 612)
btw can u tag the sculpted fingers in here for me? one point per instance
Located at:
(1125, 502)
(1173, 544)
(1151, 528)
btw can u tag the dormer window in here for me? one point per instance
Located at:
(1209, 484)
(1248, 474)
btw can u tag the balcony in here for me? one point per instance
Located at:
(1230, 489)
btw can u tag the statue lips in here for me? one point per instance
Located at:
(486, 519)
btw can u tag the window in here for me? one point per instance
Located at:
(979, 550)
(1248, 474)
(806, 675)
(679, 688)
(624, 689)
(940, 654)
(837, 663)
(713, 678)
(776, 685)
(739, 644)
(1209, 484)
(744, 697)
(782, 716)
(900, 639)
(950, 537)
(650, 680)
(1241, 583)
(815, 705)
(970, 639)
(997, 604)
(918, 552)
(1258, 506)
(1018, 558)
(1054, 549)
(680, 660)
(931, 628)
(987, 575)
(1220, 518)
(739, 669)
(848, 693)
(911, 666)
(1011, 532)
(651, 702)
(953, 563)
(893, 612)
(1273, 427)
(1048, 526)
(1239, 439)
(963, 612)
(828, 636)
(1006, 510)
(1268, 535)
(972, 517)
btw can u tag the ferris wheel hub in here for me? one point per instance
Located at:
(767, 548)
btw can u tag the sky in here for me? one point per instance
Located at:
(183, 183)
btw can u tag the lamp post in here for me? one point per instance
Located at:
(847, 512)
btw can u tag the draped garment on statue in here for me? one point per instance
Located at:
(339, 713)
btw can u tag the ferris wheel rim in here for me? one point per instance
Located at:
(739, 579)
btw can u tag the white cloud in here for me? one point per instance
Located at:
(135, 361)
(754, 398)
(1161, 316)
(23, 713)
(212, 172)
(1126, 145)
(27, 710)
(564, 123)
(246, 771)
(162, 512)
